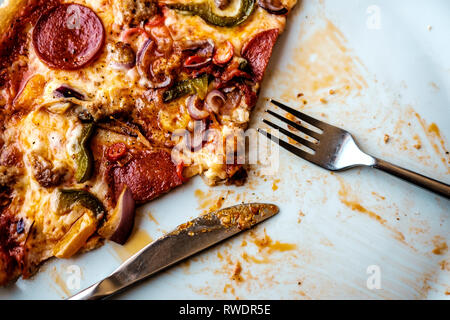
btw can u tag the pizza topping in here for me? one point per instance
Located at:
(45, 173)
(11, 250)
(163, 39)
(235, 69)
(273, 6)
(122, 55)
(214, 101)
(116, 152)
(8, 177)
(66, 91)
(222, 4)
(232, 72)
(20, 227)
(224, 53)
(197, 86)
(128, 34)
(68, 37)
(180, 167)
(29, 91)
(147, 62)
(120, 221)
(154, 21)
(196, 62)
(258, 51)
(10, 156)
(194, 108)
(201, 53)
(136, 11)
(83, 156)
(148, 175)
(233, 101)
(76, 237)
(249, 95)
(205, 11)
(68, 198)
(83, 115)
(202, 48)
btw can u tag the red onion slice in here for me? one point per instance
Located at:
(144, 66)
(214, 101)
(202, 62)
(119, 225)
(123, 66)
(204, 48)
(66, 91)
(143, 57)
(193, 109)
(273, 6)
(233, 100)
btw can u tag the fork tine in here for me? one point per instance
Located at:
(304, 142)
(316, 123)
(289, 147)
(306, 131)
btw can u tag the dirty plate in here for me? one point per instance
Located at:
(383, 73)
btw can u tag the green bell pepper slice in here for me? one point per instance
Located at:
(205, 11)
(83, 157)
(67, 198)
(197, 86)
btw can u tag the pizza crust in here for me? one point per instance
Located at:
(9, 10)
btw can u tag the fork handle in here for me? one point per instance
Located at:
(415, 178)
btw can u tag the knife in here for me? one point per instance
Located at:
(186, 240)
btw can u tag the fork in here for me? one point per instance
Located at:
(336, 150)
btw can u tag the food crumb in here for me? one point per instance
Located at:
(237, 272)
(275, 184)
(300, 216)
(305, 102)
(445, 266)
(386, 138)
(440, 246)
(429, 28)
(299, 95)
(332, 91)
(418, 144)
(323, 100)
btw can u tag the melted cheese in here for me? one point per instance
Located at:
(50, 132)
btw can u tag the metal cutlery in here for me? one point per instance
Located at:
(186, 240)
(335, 149)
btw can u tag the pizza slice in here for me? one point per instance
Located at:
(108, 104)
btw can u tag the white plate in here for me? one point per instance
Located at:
(339, 231)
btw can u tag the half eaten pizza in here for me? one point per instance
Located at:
(95, 95)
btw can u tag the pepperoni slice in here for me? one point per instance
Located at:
(68, 37)
(148, 175)
(258, 51)
(116, 152)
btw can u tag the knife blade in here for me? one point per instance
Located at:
(187, 239)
